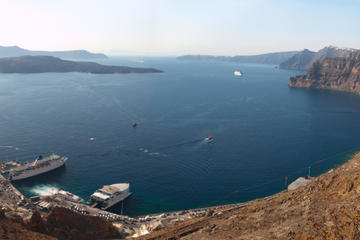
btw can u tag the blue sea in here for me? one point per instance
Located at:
(263, 131)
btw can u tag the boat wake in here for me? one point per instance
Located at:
(144, 150)
(159, 151)
(44, 190)
(10, 147)
(181, 144)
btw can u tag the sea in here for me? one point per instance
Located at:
(265, 134)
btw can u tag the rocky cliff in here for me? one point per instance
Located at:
(304, 59)
(341, 74)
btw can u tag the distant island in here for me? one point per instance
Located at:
(340, 73)
(15, 51)
(42, 64)
(292, 60)
(304, 59)
(268, 58)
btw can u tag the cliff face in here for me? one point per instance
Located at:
(304, 59)
(341, 74)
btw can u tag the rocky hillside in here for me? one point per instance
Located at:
(63, 223)
(327, 208)
(60, 223)
(304, 59)
(341, 74)
(268, 58)
(15, 229)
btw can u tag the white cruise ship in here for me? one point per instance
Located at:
(39, 166)
(109, 195)
(238, 73)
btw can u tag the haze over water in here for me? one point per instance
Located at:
(263, 131)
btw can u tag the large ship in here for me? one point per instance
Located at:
(109, 195)
(39, 166)
(238, 73)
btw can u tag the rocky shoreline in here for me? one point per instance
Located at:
(327, 208)
(342, 74)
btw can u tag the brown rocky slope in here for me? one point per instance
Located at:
(341, 74)
(60, 223)
(327, 208)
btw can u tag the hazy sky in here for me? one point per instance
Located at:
(175, 27)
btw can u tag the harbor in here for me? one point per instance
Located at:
(13, 201)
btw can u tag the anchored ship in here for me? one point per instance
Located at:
(109, 195)
(238, 73)
(39, 166)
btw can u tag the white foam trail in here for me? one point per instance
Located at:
(16, 148)
(44, 190)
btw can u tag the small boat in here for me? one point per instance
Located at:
(209, 138)
(134, 124)
(69, 196)
(238, 73)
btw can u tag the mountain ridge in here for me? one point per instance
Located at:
(15, 51)
(304, 59)
(267, 58)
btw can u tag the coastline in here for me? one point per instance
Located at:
(191, 221)
(308, 211)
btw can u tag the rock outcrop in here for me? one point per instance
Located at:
(304, 59)
(342, 74)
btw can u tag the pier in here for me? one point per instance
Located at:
(13, 202)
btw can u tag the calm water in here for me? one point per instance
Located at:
(263, 131)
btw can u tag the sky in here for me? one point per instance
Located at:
(177, 27)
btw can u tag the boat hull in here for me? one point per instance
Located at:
(117, 201)
(39, 171)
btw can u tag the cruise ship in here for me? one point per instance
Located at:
(109, 195)
(238, 73)
(39, 166)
